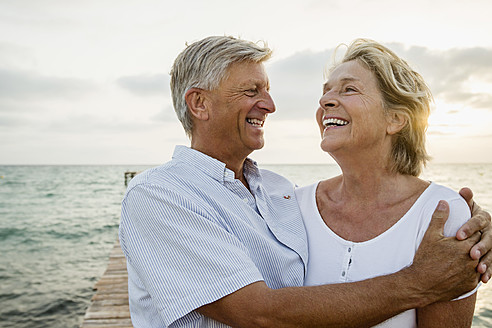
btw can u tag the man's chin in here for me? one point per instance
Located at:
(259, 144)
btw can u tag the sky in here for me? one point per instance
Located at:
(87, 82)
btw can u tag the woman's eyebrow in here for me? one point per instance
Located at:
(326, 85)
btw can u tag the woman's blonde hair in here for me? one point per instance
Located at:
(405, 92)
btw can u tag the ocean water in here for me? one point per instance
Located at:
(59, 223)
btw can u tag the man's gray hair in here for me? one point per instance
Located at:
(203, 64)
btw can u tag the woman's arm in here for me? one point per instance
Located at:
(452, 314)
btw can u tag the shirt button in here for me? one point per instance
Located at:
(349, 249)
(343, 274)
(245, 200)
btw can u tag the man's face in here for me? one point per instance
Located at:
(240, 106)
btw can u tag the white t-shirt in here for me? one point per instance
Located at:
(333, 259)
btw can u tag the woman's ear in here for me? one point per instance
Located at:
(396, 122)
(195, 99)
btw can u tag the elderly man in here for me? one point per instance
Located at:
(211, 240)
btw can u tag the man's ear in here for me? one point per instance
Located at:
(196, 100)
(396, 122)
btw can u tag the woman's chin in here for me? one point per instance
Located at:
(329, 145)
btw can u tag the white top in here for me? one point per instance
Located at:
(333, 259)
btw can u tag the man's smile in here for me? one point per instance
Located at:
(255, 122)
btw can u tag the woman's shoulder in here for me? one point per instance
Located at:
(459, 211)
(436, 192)
(329, 184)
(318, 186)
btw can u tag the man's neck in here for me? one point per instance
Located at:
(233, 161)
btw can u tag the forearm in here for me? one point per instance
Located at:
(358, 304)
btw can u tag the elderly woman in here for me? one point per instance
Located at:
(370, 220)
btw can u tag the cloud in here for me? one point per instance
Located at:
(450, 73)
(167, 114)
(26, 85)
(145, 84)
(470, 99)
(9, 121)
(296, 80)
(87, 123)
(296, 83)
(11, 106)
(13, 55)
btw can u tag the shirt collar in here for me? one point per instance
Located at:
(213, 167)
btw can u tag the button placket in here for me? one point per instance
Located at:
(347, 261)
(240, 190)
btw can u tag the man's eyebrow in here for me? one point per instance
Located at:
(256, 83)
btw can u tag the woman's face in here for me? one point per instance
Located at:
(351, 115)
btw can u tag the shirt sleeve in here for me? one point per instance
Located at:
(183, 253)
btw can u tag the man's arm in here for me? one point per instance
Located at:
(480, 221)
(442, 270)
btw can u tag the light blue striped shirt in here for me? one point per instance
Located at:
(192, 234)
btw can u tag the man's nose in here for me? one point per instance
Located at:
(267, 103)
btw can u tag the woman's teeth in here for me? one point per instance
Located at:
(334, 122)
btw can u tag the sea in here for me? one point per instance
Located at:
(58, 225)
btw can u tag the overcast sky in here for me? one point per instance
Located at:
(87, 82)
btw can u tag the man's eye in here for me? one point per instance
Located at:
(250, 92)
(350, 89)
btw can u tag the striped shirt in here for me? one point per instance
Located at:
(192, 234)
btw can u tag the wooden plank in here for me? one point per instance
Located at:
(107, 323)
(109, 305)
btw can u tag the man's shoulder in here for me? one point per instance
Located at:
(271, 178)
(168, 175)
(151, 175)
(276, 184)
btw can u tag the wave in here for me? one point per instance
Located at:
(57, 313)
(9, 232)
(12, 183)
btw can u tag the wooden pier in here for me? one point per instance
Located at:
(129, 175)
(109, 306)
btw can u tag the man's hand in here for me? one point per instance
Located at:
(442, 268)
(479, 222)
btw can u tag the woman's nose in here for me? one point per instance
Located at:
(327, 101)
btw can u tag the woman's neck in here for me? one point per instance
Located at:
(367, 176)
(367, 199)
